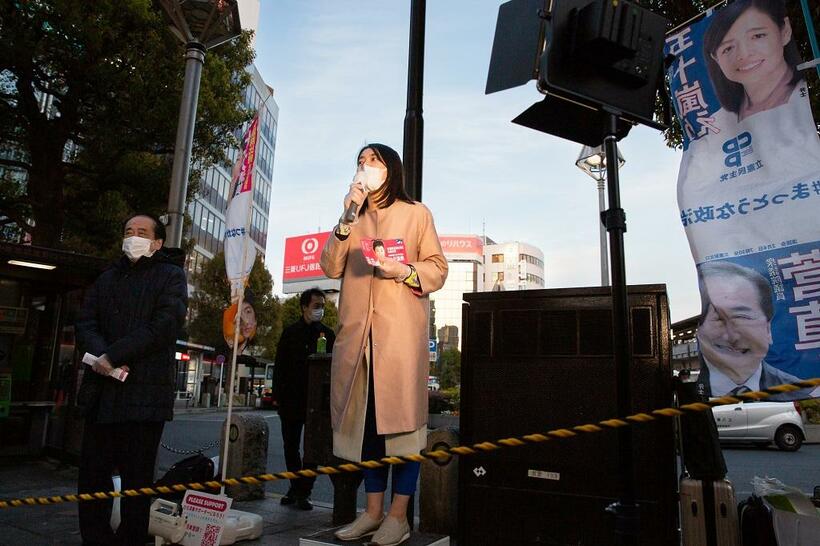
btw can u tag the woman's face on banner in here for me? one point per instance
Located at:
(751, 53)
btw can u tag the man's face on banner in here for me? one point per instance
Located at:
(751, 53)
(735, 334)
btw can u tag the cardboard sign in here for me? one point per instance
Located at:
(206, 518)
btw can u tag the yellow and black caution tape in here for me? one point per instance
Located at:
(439, 455)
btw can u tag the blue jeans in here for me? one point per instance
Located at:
(405, 475)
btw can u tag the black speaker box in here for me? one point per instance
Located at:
(537, 360)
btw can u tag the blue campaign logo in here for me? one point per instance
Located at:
(735, 148)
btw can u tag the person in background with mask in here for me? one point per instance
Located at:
(379, 373)
(290, 386)
(131, 319)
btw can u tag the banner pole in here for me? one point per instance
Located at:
(815, 49)
(226, 433)
(234, 351)
(244, 278)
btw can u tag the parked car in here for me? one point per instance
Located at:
(432, 383)
(761, 423)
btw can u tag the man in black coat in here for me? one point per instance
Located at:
(130, 320)
(290, 385)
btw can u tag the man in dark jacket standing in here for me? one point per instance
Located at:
(130, 320)
(290, 385)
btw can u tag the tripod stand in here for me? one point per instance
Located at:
(625, 510)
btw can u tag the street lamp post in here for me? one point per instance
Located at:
(592, 160)
(200, 25)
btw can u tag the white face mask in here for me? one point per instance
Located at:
(374, 177)
(317, 314)
(136, 247)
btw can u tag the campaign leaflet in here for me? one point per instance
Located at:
(375, 249)
(749, 196)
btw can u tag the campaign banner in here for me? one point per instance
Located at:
(237, 217)
(749, 196)
(205, 514)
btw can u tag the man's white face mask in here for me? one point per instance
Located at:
(136, 247)
(317, 314)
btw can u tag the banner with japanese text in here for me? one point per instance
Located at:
(749, 196)
(240, 251)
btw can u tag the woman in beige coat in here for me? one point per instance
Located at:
(380, 359)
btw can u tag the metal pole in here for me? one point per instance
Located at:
(815, 49)
(603, 235)
(414, 124)
(413, 119)
(219, 388)
(194, 60)
(626, 511)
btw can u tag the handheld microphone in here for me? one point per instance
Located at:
(353, 207)
(350, 213)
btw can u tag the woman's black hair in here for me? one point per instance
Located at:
(729, 93)
(393, 188)
(378, 242)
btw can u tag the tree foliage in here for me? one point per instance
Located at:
(213, 297)
(89, 101)
(450, 366)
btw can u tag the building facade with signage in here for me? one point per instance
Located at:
(465, 259)
(301, 270)
(41, 293)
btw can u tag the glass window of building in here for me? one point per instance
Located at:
(498, 258)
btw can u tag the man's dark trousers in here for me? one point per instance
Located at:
(131, 449)
(291, 440)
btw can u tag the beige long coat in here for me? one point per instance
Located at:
(397, 317)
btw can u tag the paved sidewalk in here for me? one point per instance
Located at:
(57, 524)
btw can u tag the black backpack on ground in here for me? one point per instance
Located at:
(756, 525)
(194, 469)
